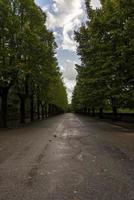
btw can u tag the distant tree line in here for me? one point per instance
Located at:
(30, 81)
(105, 78)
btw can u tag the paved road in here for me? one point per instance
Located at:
(68, 157)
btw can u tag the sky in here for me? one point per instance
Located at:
(63, 18)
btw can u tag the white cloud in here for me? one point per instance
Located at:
(69, 71)
(63, 17)
(68, 16)
(69, 76)
(95, 3)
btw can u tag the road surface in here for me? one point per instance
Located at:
(67, 157)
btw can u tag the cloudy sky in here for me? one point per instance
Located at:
(63, 17)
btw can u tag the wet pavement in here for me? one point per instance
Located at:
(67, 157)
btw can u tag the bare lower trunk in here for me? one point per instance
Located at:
(42, 112)
(4, 94)
(46, 111)
(101, 113)
(32, 108)
(89, 111)
(115, 115)
(38, 109)
(93, 111)
(22, 109)
(114, 108)
(50, 109)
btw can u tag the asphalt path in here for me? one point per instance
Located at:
(67, 157)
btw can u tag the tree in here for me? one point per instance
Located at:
(106, 51)
(8, 53)
(28, 66)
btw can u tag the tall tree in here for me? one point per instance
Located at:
(106, 51)
(27, 60)
(9, 25)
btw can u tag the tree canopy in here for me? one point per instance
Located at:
(106, 48)
(30, 79)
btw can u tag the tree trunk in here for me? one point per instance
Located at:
(22, 109)
(85, 110)
(38, 109)
(89, 111)
(50, 109)
(32, 108)
(115, 113)
(54, 110)
(4, 94)
(101, 113)
(46, 111)
(42, 111)
(114, 107)
(93, 111)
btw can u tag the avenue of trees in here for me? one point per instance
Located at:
(105, 78)
(30, 81)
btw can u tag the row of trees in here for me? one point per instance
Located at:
(106, 47)
(30, 79)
